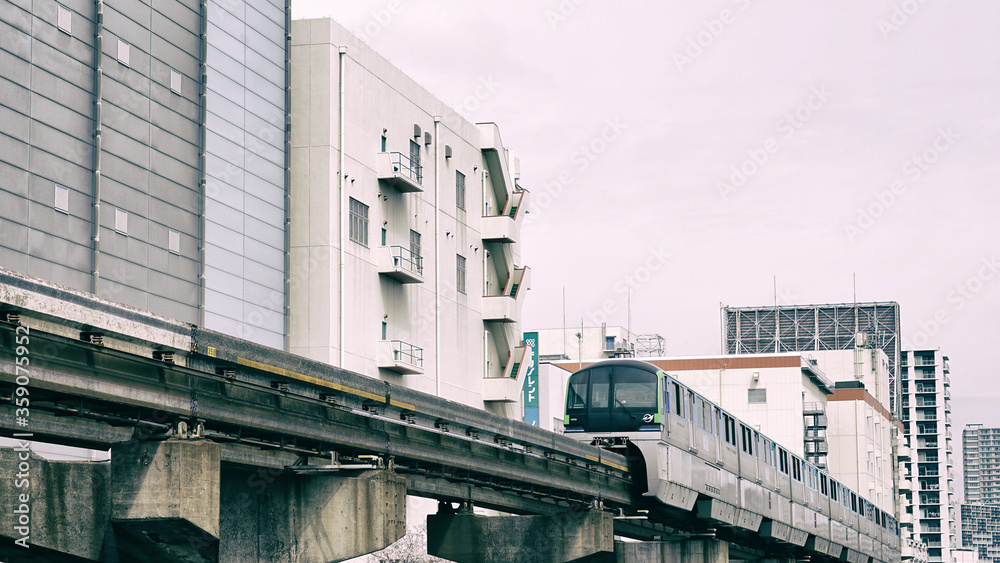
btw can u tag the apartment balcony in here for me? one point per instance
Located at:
(508, 388)
(906, 518)
(506, 307)
(812, 409)
(902, 452)
(400, 264)
(397, 170)
(400, 357)
(506, 227)
(905, 484)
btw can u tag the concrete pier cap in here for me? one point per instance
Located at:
(568, 536)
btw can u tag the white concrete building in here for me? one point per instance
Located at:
(405, 225)
(577, 343)
(926, 482)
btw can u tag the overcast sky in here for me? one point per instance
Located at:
(697, 152)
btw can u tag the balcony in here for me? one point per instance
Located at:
(506, 307)
(507, 389)
(506, 227)
(400, 264)
(905, 485)
(400, 357)
(396, 170)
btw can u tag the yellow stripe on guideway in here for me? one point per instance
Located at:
(608, 463)
(322, 383)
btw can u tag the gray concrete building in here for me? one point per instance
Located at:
(143, 155)
(981, 463)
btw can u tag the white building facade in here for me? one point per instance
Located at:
(405, 229)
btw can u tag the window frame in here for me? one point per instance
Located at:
(460, 273)
(358, 224)
(460, 190)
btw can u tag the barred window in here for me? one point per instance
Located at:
(460, 190)
(359, 222)
(460, 273)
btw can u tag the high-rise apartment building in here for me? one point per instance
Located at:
(981, 462)
(981, 530)
(405, 232)
(926, 487)
(981, 509)
(143, 155)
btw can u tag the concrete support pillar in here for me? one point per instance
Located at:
(467, 538)
(165, 500)
(702, 550)
(279, 517)
(58, 509)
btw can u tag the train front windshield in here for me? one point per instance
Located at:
(616, 398)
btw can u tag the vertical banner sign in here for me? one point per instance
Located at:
(531, 379)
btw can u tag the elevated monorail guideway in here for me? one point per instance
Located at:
(103, 372)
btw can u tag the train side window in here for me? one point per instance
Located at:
(796, 469)
(747, 436)
(822, 486)
(694, 407)
(854, 502)
(678, 406)
(783, 461)
(732, 430)
(756, 442)
(705, 415)
(834, 486)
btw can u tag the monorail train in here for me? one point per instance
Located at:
(699, 457)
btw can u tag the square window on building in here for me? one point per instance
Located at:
(123, 52)
(460, 273)
(173, 241)
(61, 199)
(121, 221)
(756, 395)
(175, 81)
(358, 228)
(64, 19)
(460, 190)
